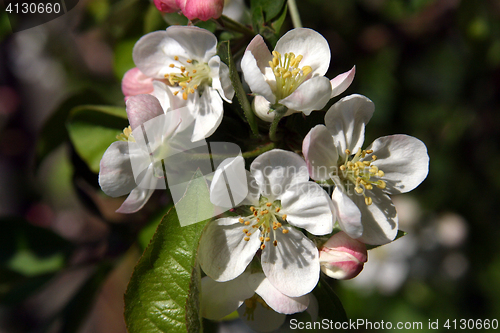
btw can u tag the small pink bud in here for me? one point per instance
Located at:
(342, 257)
(201, 9)
(167, 6)
(134, 82)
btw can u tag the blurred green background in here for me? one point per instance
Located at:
(432, 68)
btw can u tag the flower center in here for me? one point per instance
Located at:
(267, 218)
(359, 173)
(192, 75)
(287, 73)
(126, 135)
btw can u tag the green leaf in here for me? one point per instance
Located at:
(264, 12)
(54, 132)
(400, 234)
(93, 128)
(270, 9)
(224, 52)
(162, 295)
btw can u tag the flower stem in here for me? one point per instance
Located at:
(279, 113)
(259, 150)
(233, 25)
(294, 13)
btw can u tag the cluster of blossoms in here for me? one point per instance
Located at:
(266, 261)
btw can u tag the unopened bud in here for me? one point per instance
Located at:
(201, 9)
(167, 6)
(342, 257)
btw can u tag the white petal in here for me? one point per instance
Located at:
(276, 170)
(220, 78)
(199, 43)
(229, 184)
(404, 161)
(311, 95)
(293, 265)
(253, 195)
(346, 121)
(380, 220)
(223, 252)
(320, 153)
(208, 114)
(115, 170)
(260, 51)
(262, 319)
(138, 196)
(342, 81)
(308, 206)
(348, 214)
(218, 299)
(311, 45)
(149, 55)
(277, 300)
(262, 108)
(141, 108)
(255, 78)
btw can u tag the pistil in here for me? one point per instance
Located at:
(192, 76)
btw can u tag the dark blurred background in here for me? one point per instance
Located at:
(432, 68)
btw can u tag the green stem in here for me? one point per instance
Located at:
(279, 113)
(294, 13)
(259, 150)
(233, 25)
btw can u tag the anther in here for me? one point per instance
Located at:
(261, 239)
(247, 223)
(189, 61)
(285, 231)
(368, 201)
(284, 217)
(369, 151)
(380, 173)
(269, 204)
(171, 65)
(262, 247)
(267, 239)
(275, 243)
(245, 231)
(241, 220)
(278, 209)
(246, 239)
(348, 152)
(184, 96)
(252, 208)
(381, 184)
(176, 58)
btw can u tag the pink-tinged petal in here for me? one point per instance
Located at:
(218, 299)
(202, 9)
(134, 82)
(277, 300)
(262, 319)
(311, 45)
(346, 121)
(311, 95)
(198, 43)
(348, 214)
(166, 6)
(403, 159)
(220, 78)
(292, 266)
(342, 81)
(308, 206)
(142, 108)
(320, 153)
(223, 253)
(380, 220)
(260, 52)
(253, 74)
(115, 171)
(276, 170)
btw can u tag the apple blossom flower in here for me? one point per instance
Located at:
(118, 175)
(185, 57)
(280, 197)
(293, 74)
(342, 257)
(260, 305)
(363, 178)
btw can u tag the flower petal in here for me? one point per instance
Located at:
(207, 114)
(137, 198)
(308, 206)
(261, 319)
(277, 300)
(253, 66)
(220, 78)
(115, 170)
(346, 121)
(342, 81)
(311, 45)
(293, 265)
(253, 195)
(380, 220)
(149, 55)
(262, 108)
(229, 183)
(320, 153)
(142, 108)
(348, 214)
(403, 159)
(134, 82)
(276, 170)
(218, 299)
(223, 252)
(198, 43)
(311, 95)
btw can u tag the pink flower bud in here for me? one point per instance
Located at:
(167, 6)
(134, 82)
(201, 9)
(342, 257)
